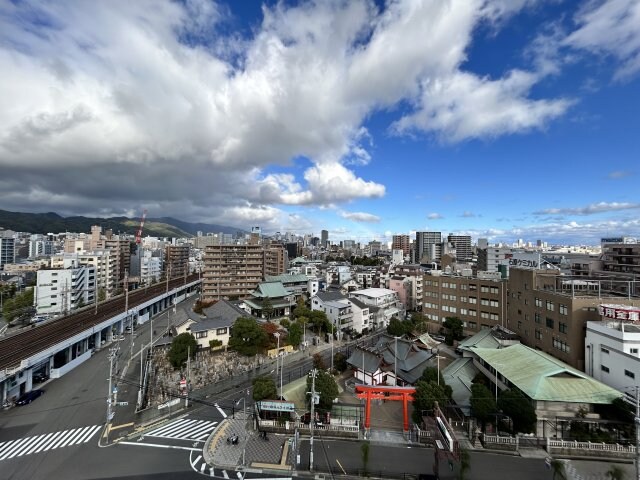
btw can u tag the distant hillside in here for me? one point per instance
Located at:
(53, 223)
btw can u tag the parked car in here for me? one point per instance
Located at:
(438, 338)
(29, 397)
(40, 377)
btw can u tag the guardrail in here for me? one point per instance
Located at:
(601, 447)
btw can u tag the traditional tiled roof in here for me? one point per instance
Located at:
(270, 289)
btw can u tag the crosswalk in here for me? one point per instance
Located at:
(46, 442)
(184, 429)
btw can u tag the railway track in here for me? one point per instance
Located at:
(22, 345)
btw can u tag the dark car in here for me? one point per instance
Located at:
(40, 377)
(29, 397)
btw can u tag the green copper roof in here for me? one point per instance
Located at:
(297, 278)
(272, 290)
(482, 339)
(542, 377)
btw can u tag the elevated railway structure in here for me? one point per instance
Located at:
(55, 347)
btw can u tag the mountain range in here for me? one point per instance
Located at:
(156, 227)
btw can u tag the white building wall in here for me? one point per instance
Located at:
(62, 291)
(612, 355)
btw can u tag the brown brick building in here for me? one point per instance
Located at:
(478, 302)
(234, 271)
(549, 311)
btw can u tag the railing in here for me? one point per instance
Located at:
(500, 440)
(602, 447)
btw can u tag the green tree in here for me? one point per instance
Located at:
(102, 294)
(295, 334)
(181, 345)
(616, 472)
(454, 325)
(427, 393)
(465, 464)
(398, 328)
(515, 404)
(340, 362)
(248, 337)
(20, 306)
(264, 388)
(267, 308)
(285, 323)
(319, 321)
(215, 344)
(558, 469)
(482, 402)
(430, 374)
(326, 387)
(365, 448)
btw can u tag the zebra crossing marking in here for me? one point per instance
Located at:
(184, 429)
(222, 412)
(46, 441)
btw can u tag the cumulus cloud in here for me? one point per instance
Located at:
(592, 209)
(610, 28)
(360, 217)
(115, 107)
(435, 216)
(467, 214)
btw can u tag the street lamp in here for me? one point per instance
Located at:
(438, 357)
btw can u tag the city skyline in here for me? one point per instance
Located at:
(502, 120)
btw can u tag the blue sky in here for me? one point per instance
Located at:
(503, 119)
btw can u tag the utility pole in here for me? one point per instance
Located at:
(112, 354)
(637, 422)
(312, 420)
(186, 399)
(141, 375)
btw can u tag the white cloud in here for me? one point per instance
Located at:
(617, 174)
(360, 217)
(463, 106)
(610, 27)
(467, 214)
(592, 209)
(435, 216)
(150, 103)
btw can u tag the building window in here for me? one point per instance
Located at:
(473, 300)
(562, 327)
(221, 331)
(494, 303)
(604, 350)
(463, 311)
(549, 322)
(563, 309)
(494, 290)
(604, 369)
(537, 317)
(519, 324)
(633, 351)
(472, 312)
(484, 289)
(484, 301)
(550, 306)
(473, 325)
(538, 302)
(538, 334)
(561, 345)
(201, 334)
(629, 374)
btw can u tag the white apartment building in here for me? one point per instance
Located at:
(150, 267)
(104, 262)
(361, 319)
(7, 248)
(612, 348)
(61, 291)
(382, 302)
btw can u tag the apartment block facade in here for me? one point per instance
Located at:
(550, 311)
(176, 260)
(478, 302)
(64, 290)
(234, 271)
(401, 242)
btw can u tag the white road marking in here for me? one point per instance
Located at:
(46, 441)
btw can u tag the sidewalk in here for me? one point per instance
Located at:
(252, 451)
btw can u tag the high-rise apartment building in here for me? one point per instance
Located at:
(490, 259)
(234, 271)
(621, 256)
(428, 246)
(61, 291)
(462, 244)
(324, 238)
(103, 261)
(7, 248)
(176, 260)
(401, 242)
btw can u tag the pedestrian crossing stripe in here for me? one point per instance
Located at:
(47, 441)
(184, 429)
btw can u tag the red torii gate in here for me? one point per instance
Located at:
(377, 392)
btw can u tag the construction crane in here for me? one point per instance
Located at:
(139, 233)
